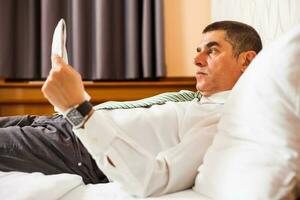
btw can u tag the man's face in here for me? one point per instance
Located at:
(217, 67)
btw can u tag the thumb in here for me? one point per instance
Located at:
(57, 60)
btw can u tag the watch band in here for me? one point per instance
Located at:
(84, 108)
(78, 114)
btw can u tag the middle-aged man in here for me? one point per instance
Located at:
(149, 150)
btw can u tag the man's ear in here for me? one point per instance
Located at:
(247, 58)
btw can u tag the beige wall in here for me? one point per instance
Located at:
(184, 21)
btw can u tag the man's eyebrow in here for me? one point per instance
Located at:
(212, 43)
(208, 45)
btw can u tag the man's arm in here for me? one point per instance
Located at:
(138, 171)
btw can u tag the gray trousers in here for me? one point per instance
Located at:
(45, 144)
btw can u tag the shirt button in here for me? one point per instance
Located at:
(79, 164)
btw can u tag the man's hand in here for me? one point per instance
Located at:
(63, 87)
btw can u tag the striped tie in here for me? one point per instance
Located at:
(183, 95)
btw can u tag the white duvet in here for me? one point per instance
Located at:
(37, 186)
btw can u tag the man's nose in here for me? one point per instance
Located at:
(200, 59)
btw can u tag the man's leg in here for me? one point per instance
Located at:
(47, 145)
(20, 120)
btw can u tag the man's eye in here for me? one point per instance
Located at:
(212, 51)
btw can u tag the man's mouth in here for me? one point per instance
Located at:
(201, 73)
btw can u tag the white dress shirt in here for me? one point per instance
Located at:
(156, 150)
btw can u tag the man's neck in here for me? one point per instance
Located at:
(208, 94)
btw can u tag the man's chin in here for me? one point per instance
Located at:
(203, 91)
(200, 87)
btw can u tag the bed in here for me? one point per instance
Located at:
(36, 186)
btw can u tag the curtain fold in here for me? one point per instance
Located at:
(106, 39)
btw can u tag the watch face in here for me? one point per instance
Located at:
(74, 117)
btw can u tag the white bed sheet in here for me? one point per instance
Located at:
(36, 186)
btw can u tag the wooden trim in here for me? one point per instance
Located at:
(27, 98)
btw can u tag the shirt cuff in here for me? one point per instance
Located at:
(98, 133)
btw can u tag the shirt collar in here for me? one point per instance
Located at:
(219, 98)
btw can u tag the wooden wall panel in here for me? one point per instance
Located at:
(26, 98)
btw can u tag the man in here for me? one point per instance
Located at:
(150, 151)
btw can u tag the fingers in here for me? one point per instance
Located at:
(53, 94)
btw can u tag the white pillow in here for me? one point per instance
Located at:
(255, 154)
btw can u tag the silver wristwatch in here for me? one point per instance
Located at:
(78, 114)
